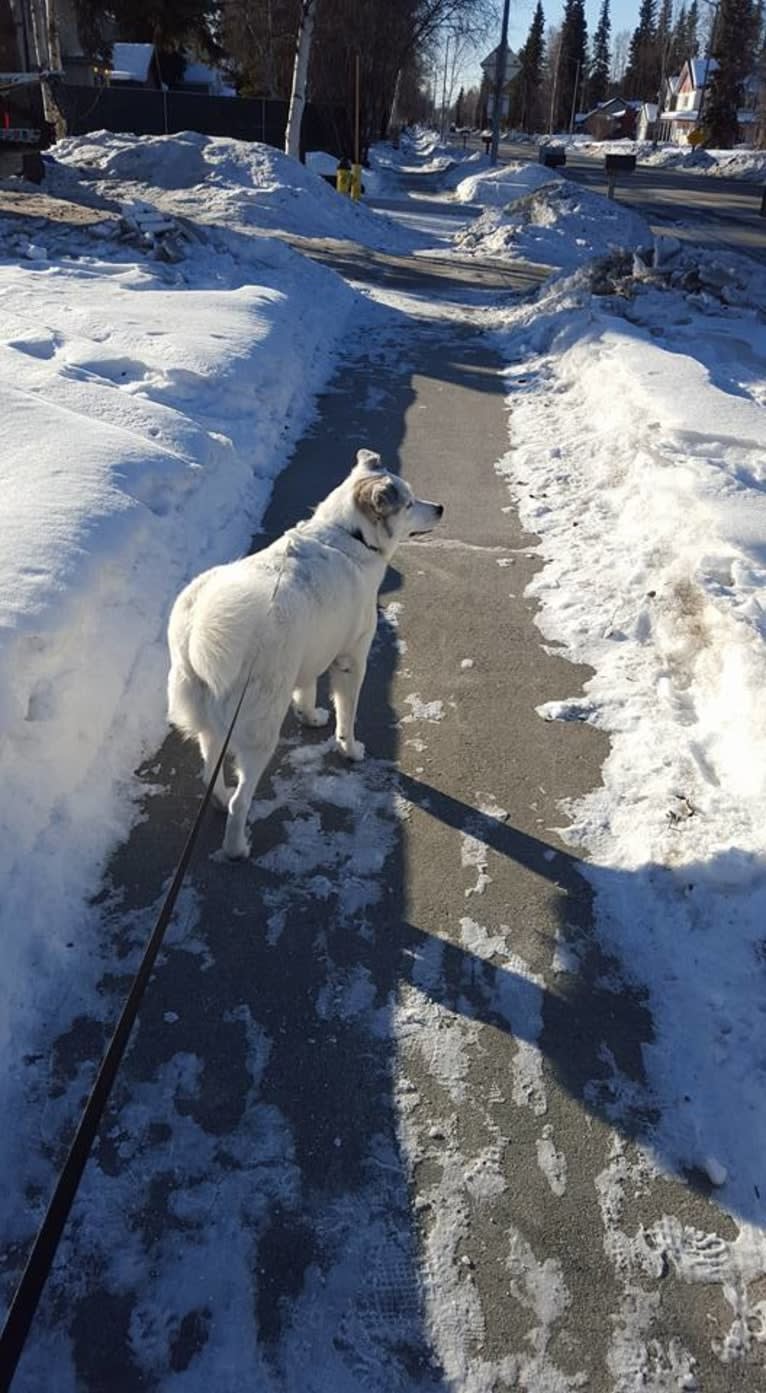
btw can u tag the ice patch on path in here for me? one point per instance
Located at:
(552, 1163)
(422, 710)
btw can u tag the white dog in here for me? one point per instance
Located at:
(306, 604)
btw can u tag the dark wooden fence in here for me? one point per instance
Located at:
(142, 111)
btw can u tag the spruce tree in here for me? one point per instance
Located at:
(531, 71)
(692, 32)
(732, 45)
(572, 59)
(679, 42)
(642, 75)
(601, 61)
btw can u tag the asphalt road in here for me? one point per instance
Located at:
(697, 207)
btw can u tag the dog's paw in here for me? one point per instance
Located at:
(350, 749)
(234, 851)
(318, 717)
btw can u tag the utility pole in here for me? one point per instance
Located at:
(574, 98)
(499, 83)
(555, 89)
(443, 125)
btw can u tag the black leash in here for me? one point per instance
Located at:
(27, 1295)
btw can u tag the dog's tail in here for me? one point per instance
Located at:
(188, 700)
(191, 701)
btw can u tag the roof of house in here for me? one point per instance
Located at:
(491, 58)
(201, 75)
(700, 69)
(131, 62)
(611, 110)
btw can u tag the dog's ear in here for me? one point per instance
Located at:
(376, 498)
(368, 460)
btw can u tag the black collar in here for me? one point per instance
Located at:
(358, 536)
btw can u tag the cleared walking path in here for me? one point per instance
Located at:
(356, 1141)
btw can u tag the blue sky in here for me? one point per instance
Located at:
(624, 15)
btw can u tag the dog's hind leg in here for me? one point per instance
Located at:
(250, 761)
(209, 745)
(305, 706)
(346, 678)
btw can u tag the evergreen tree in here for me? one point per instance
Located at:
(678, 43)
(733, 45)
(573, 57)
(459, 108)
(530, 74)
(642, 76)
(601, 62)
(692, 31)
(758, 36)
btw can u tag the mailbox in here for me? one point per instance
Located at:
(552, 155)
(620, 164)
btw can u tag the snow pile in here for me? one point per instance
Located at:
(639, 460)
(496, 187)
(561, 225)
(229, 182)
(145, 409)
(739, 163)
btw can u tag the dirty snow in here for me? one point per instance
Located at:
(638, 459)
(560, 225)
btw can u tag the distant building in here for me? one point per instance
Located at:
(611, 120)
(646, 128)
(683, 98)
(133, 65)
(489, 78)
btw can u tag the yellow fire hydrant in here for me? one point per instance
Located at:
(343, 177)
(356, 181)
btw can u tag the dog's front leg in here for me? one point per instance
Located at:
(305, 706)
(346, 677)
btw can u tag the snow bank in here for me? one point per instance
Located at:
(739, 163)
(145, 410)
(638, 458)
(562, 225)
(496, 187)
(231, 182)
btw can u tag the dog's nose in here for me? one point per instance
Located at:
(440, 510)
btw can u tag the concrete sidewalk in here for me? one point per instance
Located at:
(371, 1135)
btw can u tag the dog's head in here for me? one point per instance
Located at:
(387, 509)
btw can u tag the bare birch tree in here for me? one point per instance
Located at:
(306, 24)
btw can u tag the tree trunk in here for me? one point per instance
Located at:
(393, 120)
(300, 78)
